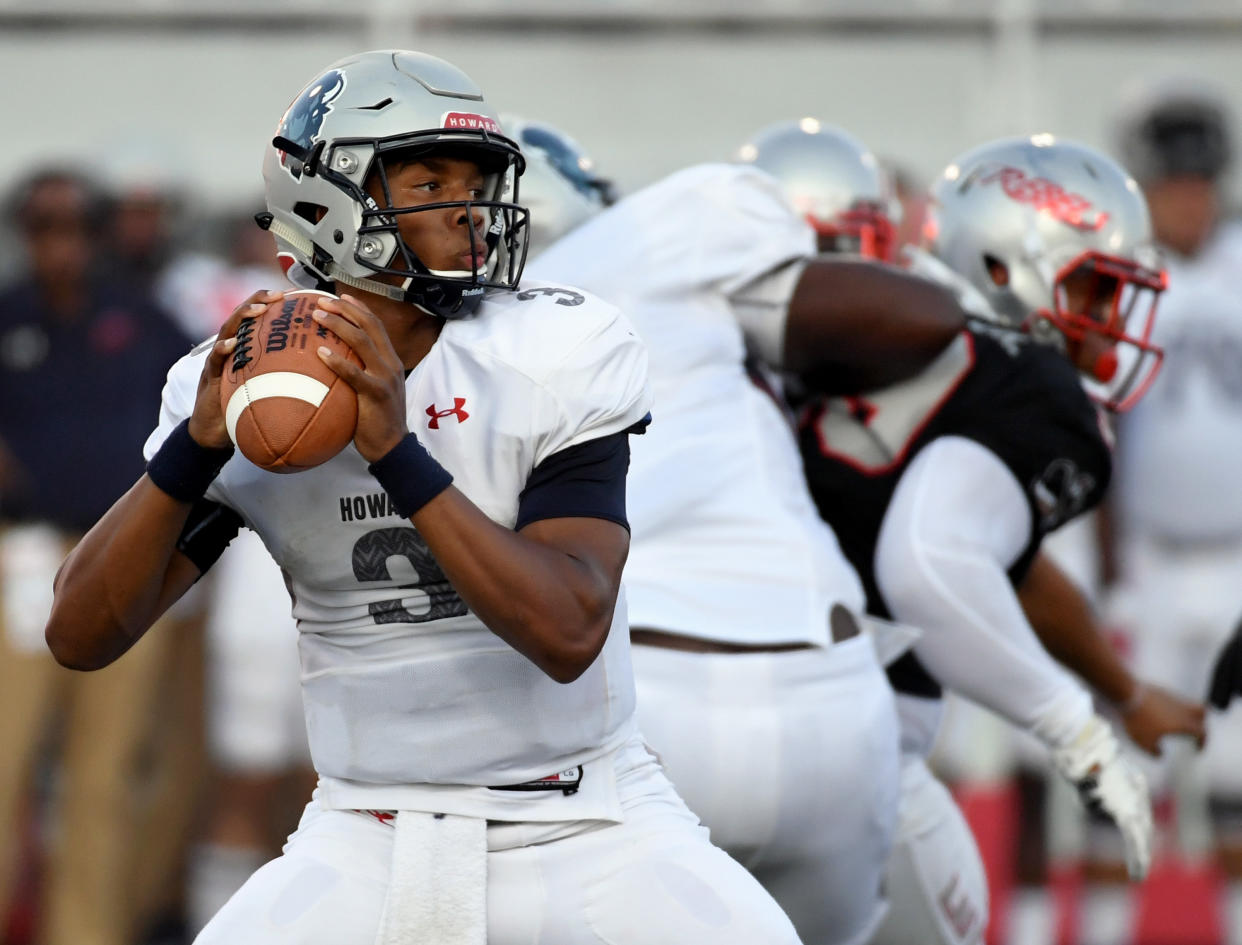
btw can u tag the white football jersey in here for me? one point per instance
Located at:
(402, 684)
(726, 543)
(1181, 447)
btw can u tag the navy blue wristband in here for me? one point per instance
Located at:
(410, 475)
(182, 468)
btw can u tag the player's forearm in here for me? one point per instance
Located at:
(856, 325)
(547, 604)
(976, 642)
(1067, 626)
(956, 523)
(118, 579)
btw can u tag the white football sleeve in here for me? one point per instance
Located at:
(177, 403)
(600, 387)
(747, 229)
(957, 521)
(177, 399)
(762, 309)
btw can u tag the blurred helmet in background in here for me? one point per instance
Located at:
(1055, 239)
(833, 180)
(359, 112)
(560, 188)
(1174, 127)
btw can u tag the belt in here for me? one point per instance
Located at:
(646, 636)
(841, 622)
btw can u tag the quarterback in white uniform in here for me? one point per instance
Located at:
(770, 712)
(467, 681)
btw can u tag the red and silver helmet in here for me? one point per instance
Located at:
(833, 180)
(337, 133)
(1036, 224)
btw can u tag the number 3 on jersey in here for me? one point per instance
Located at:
(371, 556)
(873, 433)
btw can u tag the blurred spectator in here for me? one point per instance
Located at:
(82, 358)
(1173, 546)
(204, 289)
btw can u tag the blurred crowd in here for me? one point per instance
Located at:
(134, 800)
(114, 798)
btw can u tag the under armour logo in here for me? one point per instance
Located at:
(453, 411)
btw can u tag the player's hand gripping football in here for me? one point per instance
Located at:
(379, 382)
(1155, 712)
(1227, 672)
(207, 421)
(1112, 786)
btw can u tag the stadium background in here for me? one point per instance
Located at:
(182, 97)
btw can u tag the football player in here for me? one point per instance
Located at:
(1176, 540)
(769, 710)
(942, 487)
(455, 572)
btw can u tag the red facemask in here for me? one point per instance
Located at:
(864, 229)
(1119, 293)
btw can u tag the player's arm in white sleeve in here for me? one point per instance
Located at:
(957, 521)
(127, 570)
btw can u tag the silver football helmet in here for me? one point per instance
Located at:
(1055, 238)
(337, 134)
(560, 187)
(833, 180)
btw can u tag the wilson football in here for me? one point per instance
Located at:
(284, 408)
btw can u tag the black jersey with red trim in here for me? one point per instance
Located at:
(1022, 401)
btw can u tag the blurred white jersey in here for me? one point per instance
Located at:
(1181, 447)
(726, 544)
(407, 693)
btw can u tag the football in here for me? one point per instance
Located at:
(284, 408)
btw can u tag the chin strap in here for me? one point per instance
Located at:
(331, 271)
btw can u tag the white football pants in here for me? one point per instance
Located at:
(654, 879)
(937, 889)
(791, 760)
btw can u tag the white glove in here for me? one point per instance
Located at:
(1112, 786)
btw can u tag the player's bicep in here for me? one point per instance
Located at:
(956, 501)
(601, 546)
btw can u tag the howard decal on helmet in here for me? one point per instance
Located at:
(833, 180)
(1054, 239)
(342, 132)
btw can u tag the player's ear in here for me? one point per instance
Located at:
(997, 270)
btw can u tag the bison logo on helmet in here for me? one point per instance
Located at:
(304, 118)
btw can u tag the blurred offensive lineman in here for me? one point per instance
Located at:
(768, 708)
(942, 487)
(469, 712)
